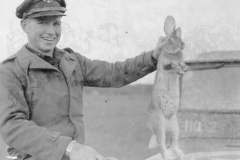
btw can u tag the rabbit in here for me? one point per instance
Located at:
(165, 99)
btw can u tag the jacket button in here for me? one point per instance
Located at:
(54, 136)
(59, 76)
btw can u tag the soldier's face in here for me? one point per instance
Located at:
(43, 32)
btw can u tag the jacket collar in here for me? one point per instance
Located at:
(38, 53)
(27, 60)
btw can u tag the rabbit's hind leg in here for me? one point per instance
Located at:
(161, 137)
(174, 133)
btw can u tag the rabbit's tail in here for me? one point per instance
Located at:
(153, 142)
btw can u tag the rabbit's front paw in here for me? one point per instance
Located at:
(184, 66)
(180, 71)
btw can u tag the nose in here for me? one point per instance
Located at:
(50, 29)
(182, 44)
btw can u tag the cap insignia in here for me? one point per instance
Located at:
(48, 1)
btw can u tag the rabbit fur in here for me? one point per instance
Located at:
(165, 100)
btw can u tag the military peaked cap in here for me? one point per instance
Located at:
(39, 8)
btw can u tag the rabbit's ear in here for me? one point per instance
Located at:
(178, 32)
(169, 25)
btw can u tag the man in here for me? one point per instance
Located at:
(41, 113)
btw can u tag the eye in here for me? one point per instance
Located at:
(41, 22)
(171, 40)
(57, 23)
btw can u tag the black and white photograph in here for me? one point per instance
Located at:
(120, 80)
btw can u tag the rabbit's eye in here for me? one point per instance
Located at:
(171, 40)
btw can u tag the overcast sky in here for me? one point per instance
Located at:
(118, 29)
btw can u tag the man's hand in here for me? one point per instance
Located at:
(82, 152)
(161, 42)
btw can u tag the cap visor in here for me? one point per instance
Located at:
(46, 13)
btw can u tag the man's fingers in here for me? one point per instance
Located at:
(161, 38)
(161, 42)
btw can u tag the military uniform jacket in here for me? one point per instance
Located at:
(41, 106)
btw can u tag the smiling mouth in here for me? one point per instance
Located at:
(48, 39)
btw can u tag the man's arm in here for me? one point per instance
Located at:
(103, 74)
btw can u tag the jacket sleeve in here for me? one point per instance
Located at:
(17, 130)
(103, 74)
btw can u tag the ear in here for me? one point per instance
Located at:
(178, 32)
(169, 25)
(24, 25)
